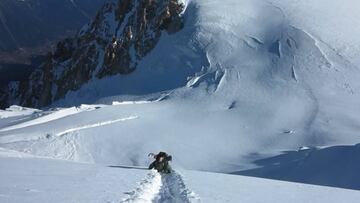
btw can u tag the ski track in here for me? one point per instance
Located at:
(157, 188)
(95, 125)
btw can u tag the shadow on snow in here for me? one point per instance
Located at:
(337, 166)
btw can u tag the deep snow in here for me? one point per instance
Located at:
(55, 181)
(245, 87)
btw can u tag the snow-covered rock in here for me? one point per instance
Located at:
(120, 35)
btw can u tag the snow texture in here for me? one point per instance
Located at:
(60, 181)
(252, 87)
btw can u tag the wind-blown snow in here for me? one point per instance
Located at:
(245, 80)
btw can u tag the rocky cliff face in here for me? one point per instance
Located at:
(120, 35)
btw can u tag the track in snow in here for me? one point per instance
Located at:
(157, 188)
(95, 125)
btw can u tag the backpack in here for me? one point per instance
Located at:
(164, 155)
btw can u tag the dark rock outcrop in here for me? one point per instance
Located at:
(120, 35)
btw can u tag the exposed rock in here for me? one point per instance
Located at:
(119, 36)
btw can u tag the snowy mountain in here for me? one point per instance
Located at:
(120, 35)
(249, 87)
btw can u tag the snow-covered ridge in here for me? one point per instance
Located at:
(57, 114)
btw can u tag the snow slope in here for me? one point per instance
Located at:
(124, 134)
(244, 84)
(269, 68)
(58, 181)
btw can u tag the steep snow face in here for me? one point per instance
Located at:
(331, 22)
(243, 80)
(278, 76)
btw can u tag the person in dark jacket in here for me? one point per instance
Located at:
(161, 163)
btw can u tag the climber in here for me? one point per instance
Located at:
(161, 163)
